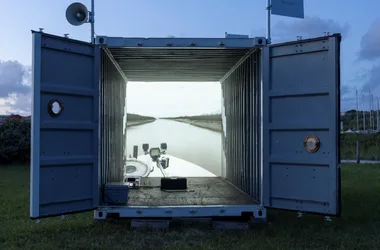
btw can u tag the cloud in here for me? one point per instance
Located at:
(373, 80)
(347, 97)
(370, 50)
(16, 104)
(15, 88)
(370, 43)
(14, 78)
(346, 89)
(307, 28)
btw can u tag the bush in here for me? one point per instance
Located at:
(15, 140)
(369, 146)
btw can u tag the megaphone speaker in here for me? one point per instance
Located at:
(76, 14)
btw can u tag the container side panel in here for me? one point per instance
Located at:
(64, 166)
(255, 121)
(239, 139)
(301, 100)
(224, 128)
(113, 120)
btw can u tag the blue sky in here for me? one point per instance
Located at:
(359, 24)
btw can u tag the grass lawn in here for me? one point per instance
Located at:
(358, 228)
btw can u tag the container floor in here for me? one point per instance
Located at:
(201, 191)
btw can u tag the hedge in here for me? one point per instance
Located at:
(369, 146)
(14, 140)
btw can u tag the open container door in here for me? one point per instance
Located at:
(64, 155)
(301, 101)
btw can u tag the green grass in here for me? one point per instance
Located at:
(358, 228)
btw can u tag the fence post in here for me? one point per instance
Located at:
(357, 152)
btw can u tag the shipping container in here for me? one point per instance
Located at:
(280, 116)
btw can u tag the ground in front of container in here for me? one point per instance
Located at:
(358, 228)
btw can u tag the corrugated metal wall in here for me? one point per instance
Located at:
(241, 124)
(241, 121)
(112, 131)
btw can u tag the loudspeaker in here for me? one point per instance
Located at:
(77, 14)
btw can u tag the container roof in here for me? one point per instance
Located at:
(177, 59)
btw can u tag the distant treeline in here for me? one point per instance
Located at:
(349, 119)
(135, 117)
(15, 139)
(212, 117)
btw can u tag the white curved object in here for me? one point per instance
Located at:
(177, 168)
(135, 167)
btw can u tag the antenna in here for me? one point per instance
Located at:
(92, 15)
(378, 127)
(269, 6)
(373, 112)
(357, 112)
(78, 14)
(370, 110)
(363, 113)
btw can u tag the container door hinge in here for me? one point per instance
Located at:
(260, 41)
(101, 40)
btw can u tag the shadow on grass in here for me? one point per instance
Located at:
(358, 227)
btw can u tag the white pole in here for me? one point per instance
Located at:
(363, 113)
(269, 6)
(373, 112)
(370, 112)
(378, 127)
(357, 112)
(92, 21)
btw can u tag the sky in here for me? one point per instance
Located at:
(358, 23)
